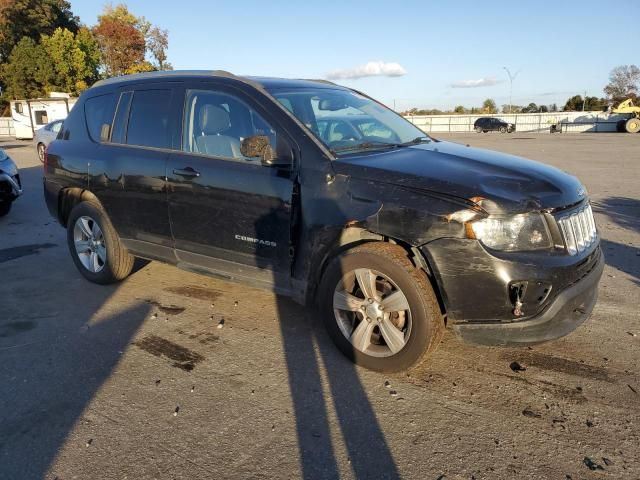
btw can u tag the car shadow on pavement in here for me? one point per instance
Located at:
(624, 212)
(310, 357)
(52, 363)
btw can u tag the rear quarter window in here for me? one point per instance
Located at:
(98, 111)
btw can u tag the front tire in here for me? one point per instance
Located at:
(95, 246)
(503, 129)
(379, 309)
(478, 129)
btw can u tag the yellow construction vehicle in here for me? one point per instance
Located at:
(632, 124)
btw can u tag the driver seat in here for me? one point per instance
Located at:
(343, 131)
(212, 121)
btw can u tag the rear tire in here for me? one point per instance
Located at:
(408, 311)
(478, 130)
(95, 246)
(5, 208)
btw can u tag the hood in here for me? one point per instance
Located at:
(499, 182)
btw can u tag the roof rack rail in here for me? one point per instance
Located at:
(163, 74)
(319, 80)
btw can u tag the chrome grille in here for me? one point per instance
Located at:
(578, 230)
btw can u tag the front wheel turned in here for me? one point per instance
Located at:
(379, 309)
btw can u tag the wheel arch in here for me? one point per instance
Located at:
(351, 237)
(69, 198)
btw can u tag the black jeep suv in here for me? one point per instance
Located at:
(492, 124)
(392, 234)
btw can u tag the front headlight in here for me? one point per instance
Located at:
(3, 155)
(527, 231)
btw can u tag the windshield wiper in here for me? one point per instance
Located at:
(366, 146)
(377, 145)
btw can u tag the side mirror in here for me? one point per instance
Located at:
(260, 146)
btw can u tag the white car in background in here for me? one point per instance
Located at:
(45, 135)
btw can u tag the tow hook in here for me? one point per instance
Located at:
(517, 291)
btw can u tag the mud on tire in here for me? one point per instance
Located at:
(392, 262)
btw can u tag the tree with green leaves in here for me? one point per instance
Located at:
(506, 108)
(31, 19)
(28, 72)
(531, 108)
(62, 61)
(578, 104)
(75, 58)
(573, 104)
(489, 106)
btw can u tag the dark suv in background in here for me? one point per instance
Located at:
(319, 192)
(492, 124)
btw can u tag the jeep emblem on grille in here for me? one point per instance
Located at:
(581, 192)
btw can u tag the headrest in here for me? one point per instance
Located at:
(213, 119)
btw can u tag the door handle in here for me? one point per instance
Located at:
(186, 172)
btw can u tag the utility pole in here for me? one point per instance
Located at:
(511, 79)
(584, 101)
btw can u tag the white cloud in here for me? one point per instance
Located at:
(371, 69)
(481, 82)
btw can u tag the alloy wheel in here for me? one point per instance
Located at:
(89, 243)
(372, 312)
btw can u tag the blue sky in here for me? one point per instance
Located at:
(561, 48)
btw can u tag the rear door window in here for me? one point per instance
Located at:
(149, 117)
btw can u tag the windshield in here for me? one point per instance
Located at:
(347, 122)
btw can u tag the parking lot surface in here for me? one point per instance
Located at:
(145, 380)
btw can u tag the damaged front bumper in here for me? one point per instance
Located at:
(476, 284)
(570, 309)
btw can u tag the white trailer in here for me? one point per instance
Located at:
(32, 114)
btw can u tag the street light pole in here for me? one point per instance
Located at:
(511, 79)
